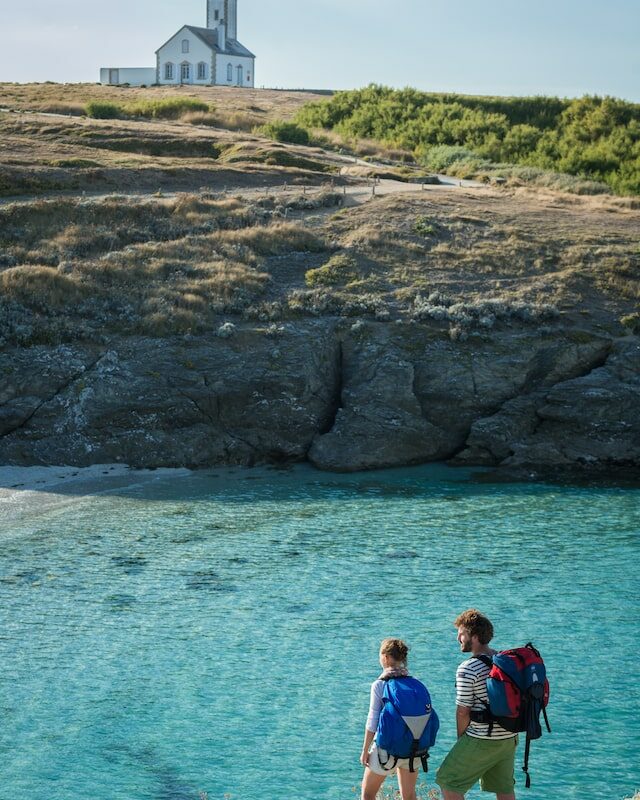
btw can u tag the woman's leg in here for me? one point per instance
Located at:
(371, 784)
(407, 782)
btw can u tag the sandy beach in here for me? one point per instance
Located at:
(28, 491)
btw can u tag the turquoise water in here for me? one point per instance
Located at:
(218, 632)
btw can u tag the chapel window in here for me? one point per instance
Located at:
(168, 72)
(229, 72)
(185, 45)
(202, 71)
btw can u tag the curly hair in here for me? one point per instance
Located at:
(476, 624)
(395, 649)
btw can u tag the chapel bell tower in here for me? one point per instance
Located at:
(222, 15)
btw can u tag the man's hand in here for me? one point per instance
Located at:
(463, 719)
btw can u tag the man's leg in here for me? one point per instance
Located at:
(459, 771)
(500, 779)
(451, 795)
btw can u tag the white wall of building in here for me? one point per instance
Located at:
(222, 68)
(134, 76)
(172, 52)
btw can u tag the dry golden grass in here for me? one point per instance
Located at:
(59, 107)
(43, 287)
(74, 268)
(263, 104)
(364, 148)
(42, 154)
(163, 266)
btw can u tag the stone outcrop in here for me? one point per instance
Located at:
(150, 403)
(590, 420)
(346, 397)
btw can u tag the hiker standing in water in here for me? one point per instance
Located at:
(401, 726)
(484, 752)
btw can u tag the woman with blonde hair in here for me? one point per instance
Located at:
(401, 725)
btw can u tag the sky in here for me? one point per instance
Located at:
(500, 47)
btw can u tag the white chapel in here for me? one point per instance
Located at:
(210, 56)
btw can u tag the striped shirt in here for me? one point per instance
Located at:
(471, 692)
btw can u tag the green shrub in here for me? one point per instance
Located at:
(101, 110)
(75, 163)
(338, 270)
(423, 227)
(284, 132)
(632, 322)
(444, 157)
(169, 108)
(591, 138)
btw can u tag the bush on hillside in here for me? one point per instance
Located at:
(169, 108)
(339, 269)
(592, 138)
(284, 132)
(101, 110)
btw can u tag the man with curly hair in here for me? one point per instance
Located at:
(481, 753)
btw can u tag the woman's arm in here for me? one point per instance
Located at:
(375, 707)
(368, 739)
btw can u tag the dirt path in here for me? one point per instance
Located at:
(355, 194)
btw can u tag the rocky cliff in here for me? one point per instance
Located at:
(345, 396)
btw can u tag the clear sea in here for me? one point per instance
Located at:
(217, 632)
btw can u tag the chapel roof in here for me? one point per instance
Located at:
(210, 37)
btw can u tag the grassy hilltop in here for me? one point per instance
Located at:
(224, 222)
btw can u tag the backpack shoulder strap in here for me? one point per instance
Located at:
(486, 659)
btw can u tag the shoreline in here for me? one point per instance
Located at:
(31, 491)
(27, 491)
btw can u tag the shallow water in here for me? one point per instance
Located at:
(218, 632)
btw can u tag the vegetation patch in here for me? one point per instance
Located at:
(632, 322)
(282, 131)
(75, 163)
(424, 227)
(153, 144)
(249, 154)
(101, 110)
(339, 270)
(79, 270)
(592, 138)
(170, 108)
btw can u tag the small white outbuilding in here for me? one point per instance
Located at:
(210, 56)
(132, 76)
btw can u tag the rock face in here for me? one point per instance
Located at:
(347, 398)
(150, 403)
(593, 419)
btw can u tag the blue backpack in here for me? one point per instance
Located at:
(408, 723)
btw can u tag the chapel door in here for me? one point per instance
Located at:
(240, 74)
(114, 77)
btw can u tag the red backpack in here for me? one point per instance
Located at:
(518, 692)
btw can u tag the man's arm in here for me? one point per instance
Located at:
(465, 684)
(463, 718)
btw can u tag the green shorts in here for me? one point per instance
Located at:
(471, 760)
